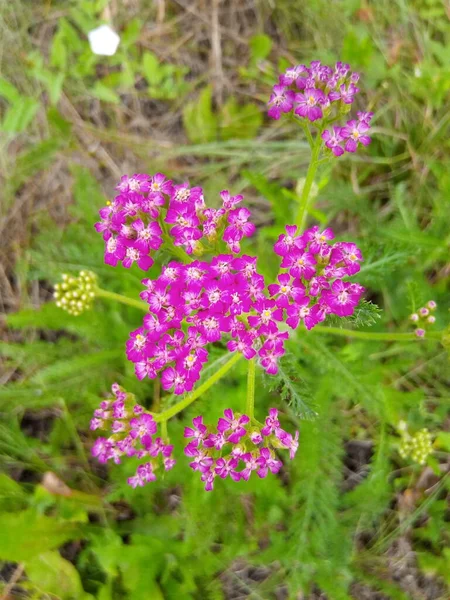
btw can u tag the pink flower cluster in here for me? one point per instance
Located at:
(132, 434)
(314, 275)
(235, 448)
(228, 297)
(222, 297)
(322, 93)
(149, 209)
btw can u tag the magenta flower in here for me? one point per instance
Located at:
(128, 204)
(289, 442)
(292, 74)
(152, 204)
(171, 378)
(198, 432)
(272, 423)
(216, 440)
(136, 183)
(288, 242)
(350, 254)
(143, 425)
(365, 116)
(184, 217)
(238, 228)
(227, 467)
(317, 239)
(333, 140)
(269, 354)
(102, 450)
(223, 298)
(309, 104)
(256, 437)
(300, 265)
(354, 132)
(267, 311)
(251, 464)
(148, 237)
(115, 251)
(107, 225)
(347, 93)
(243, 344)
(233, 424)
(160, 186)
(281, 101)
(341, 298)
(267, 463)
(229, 202)
(287, 290)
(182, 194)
(132, 255)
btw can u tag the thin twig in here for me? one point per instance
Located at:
(12, 582)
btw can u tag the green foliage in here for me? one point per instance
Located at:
(366, 314)
(335, 516)
(199, 120)
(233, 121)
(288, 386)
(26, 535)
(54, 574)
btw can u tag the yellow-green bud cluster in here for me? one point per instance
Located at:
(417, 447)
(76, 294)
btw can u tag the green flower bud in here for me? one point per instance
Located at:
(417, 447)
(75, 295)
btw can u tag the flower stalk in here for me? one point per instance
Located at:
(100, 293)
(323, 329)
(304, 203)
(250, 405)
(375, 335)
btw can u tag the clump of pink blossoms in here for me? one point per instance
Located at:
(320, 94)
(191, 305)
(209, 291)
(235, 448)
(132, 433)
(150, 209)
(194, 303)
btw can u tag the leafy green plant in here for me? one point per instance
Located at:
(370, 522)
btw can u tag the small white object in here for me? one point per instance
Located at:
(103, 40)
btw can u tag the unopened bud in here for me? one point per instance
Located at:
(76, 294)
(416, 447)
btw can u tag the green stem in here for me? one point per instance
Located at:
(250, 406)
(302, 212)
(375, 336)
(164, 433)
(123, 299)
(307, 131)
(174, 410)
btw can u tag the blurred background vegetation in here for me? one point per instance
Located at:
(185, 93)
